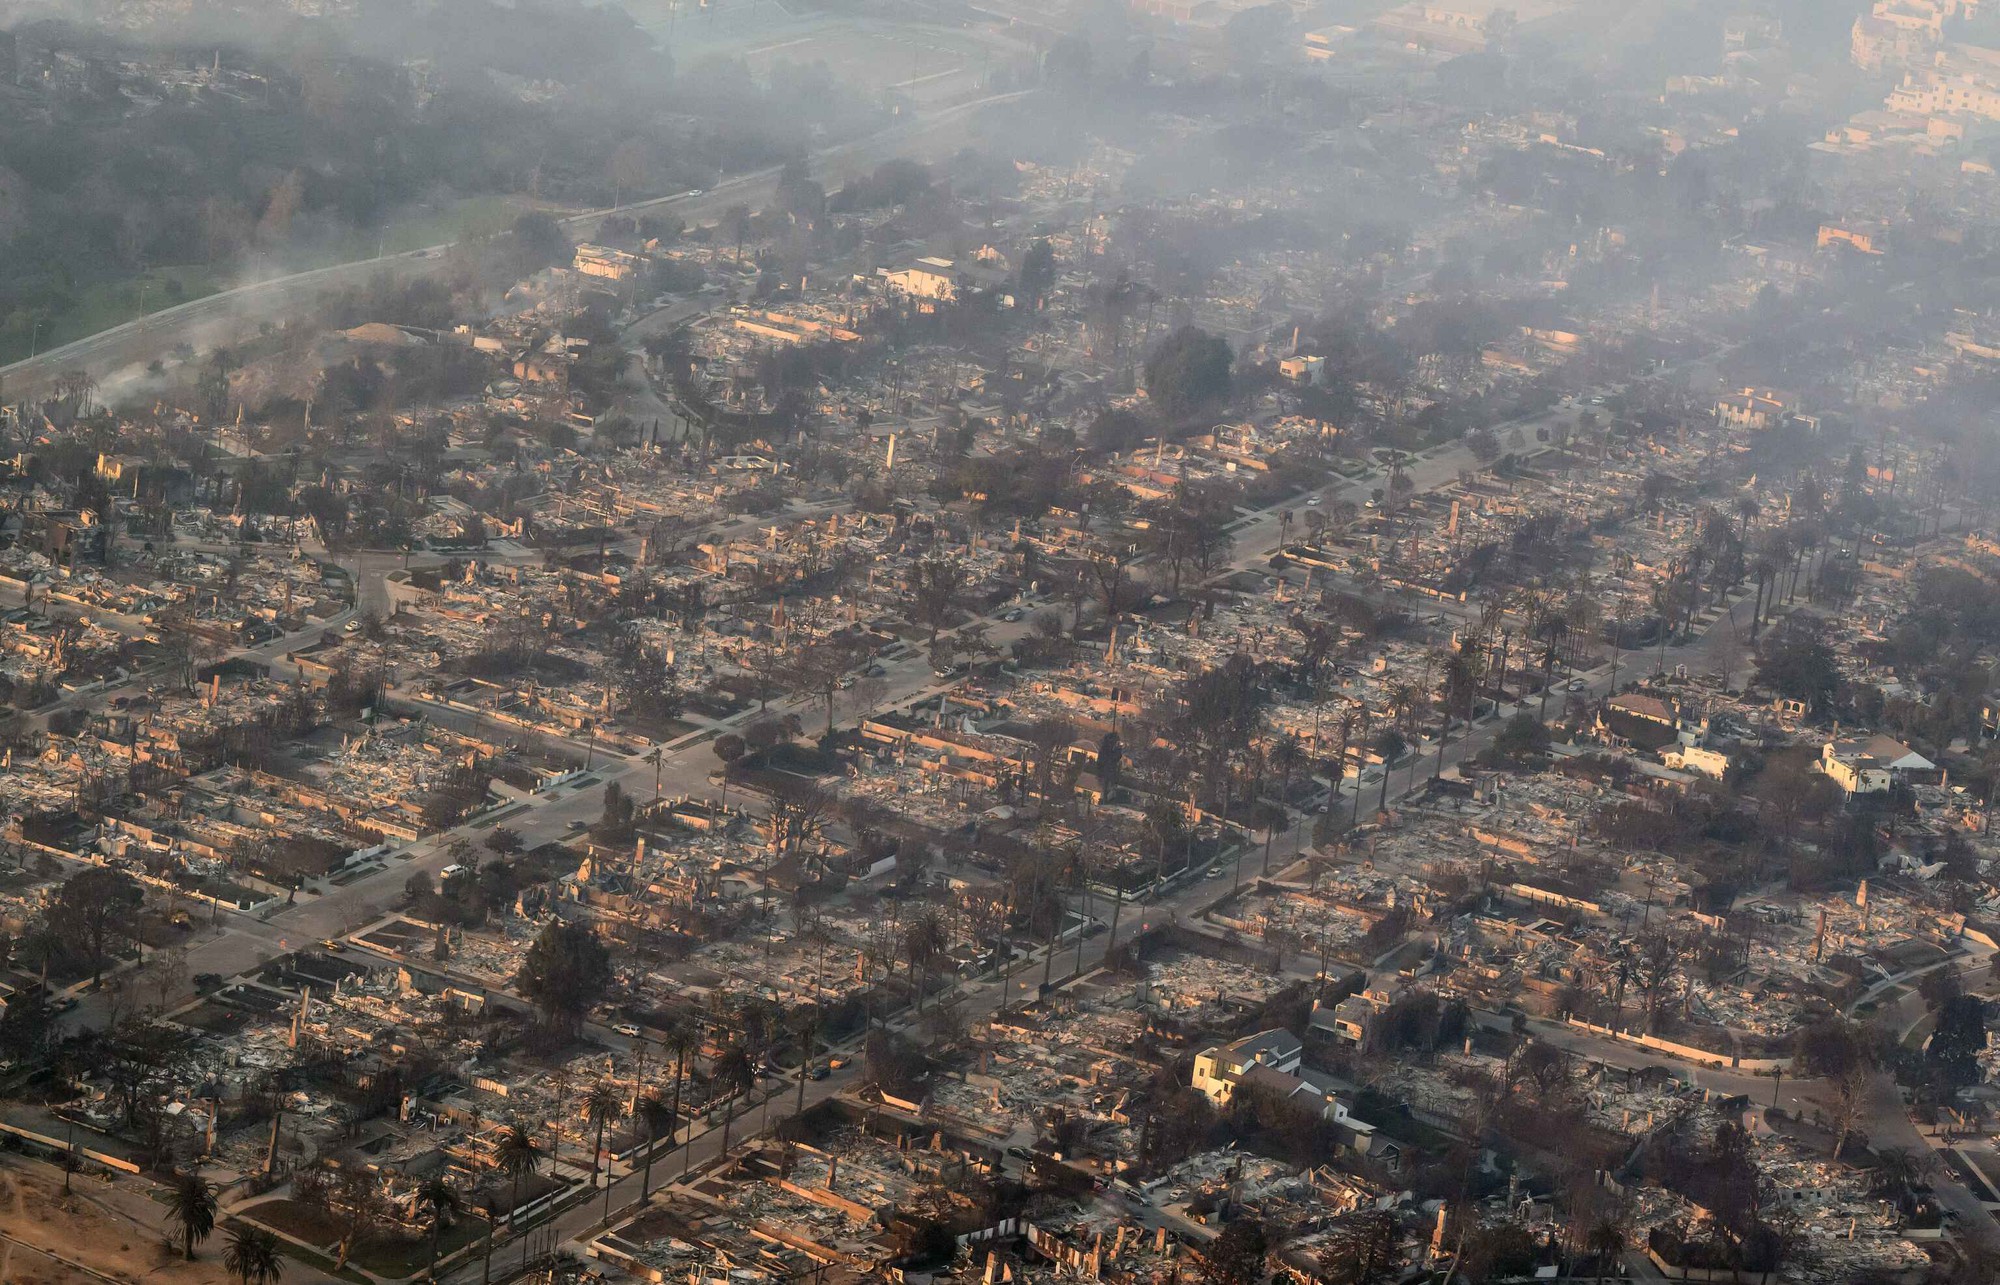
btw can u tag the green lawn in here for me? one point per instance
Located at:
(111, 303)
(105, 304)
(419, 229)
(468, 216)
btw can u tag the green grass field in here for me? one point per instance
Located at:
(105, 304)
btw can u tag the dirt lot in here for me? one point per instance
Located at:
(88, 1237)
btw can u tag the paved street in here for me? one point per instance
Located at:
(240, 942)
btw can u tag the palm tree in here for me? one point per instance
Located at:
(1362, 717)
(736, 221)
(1403, 701)
(731, 1075)
(1606, 1242)
(191, 1207)
(1343, 728)
(685, 1040)
(804, 1021)
(560, 1083)
(517, 1155)
(1287, 756)
(440, 1200)
(1083, 865)
(604, 1104)
(924, 939)
(1003, 911)
(252, 1255)
(656, 1115)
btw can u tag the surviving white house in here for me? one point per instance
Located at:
(1270, 1062)
(1698, 759)
(942, 280)
(1870, 764)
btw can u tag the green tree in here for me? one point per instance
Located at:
(1952, 1055)
(252, 1256)
(604, 1103)
(683, 1039)
(191, 1207)
(658, 1119)
(540, 242)
(1606, 1242)
(1038, 272)
(1801, 666)
(924, 940)
(732, 1075)
(518, 1157)
(1188, 373)
(799, 194)
(566, 972)
(1522, 739)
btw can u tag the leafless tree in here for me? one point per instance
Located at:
(796, 816)
(1849, 1100)
(937, 587)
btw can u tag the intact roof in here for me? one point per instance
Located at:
(1644, 706)
(1276, 1044)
